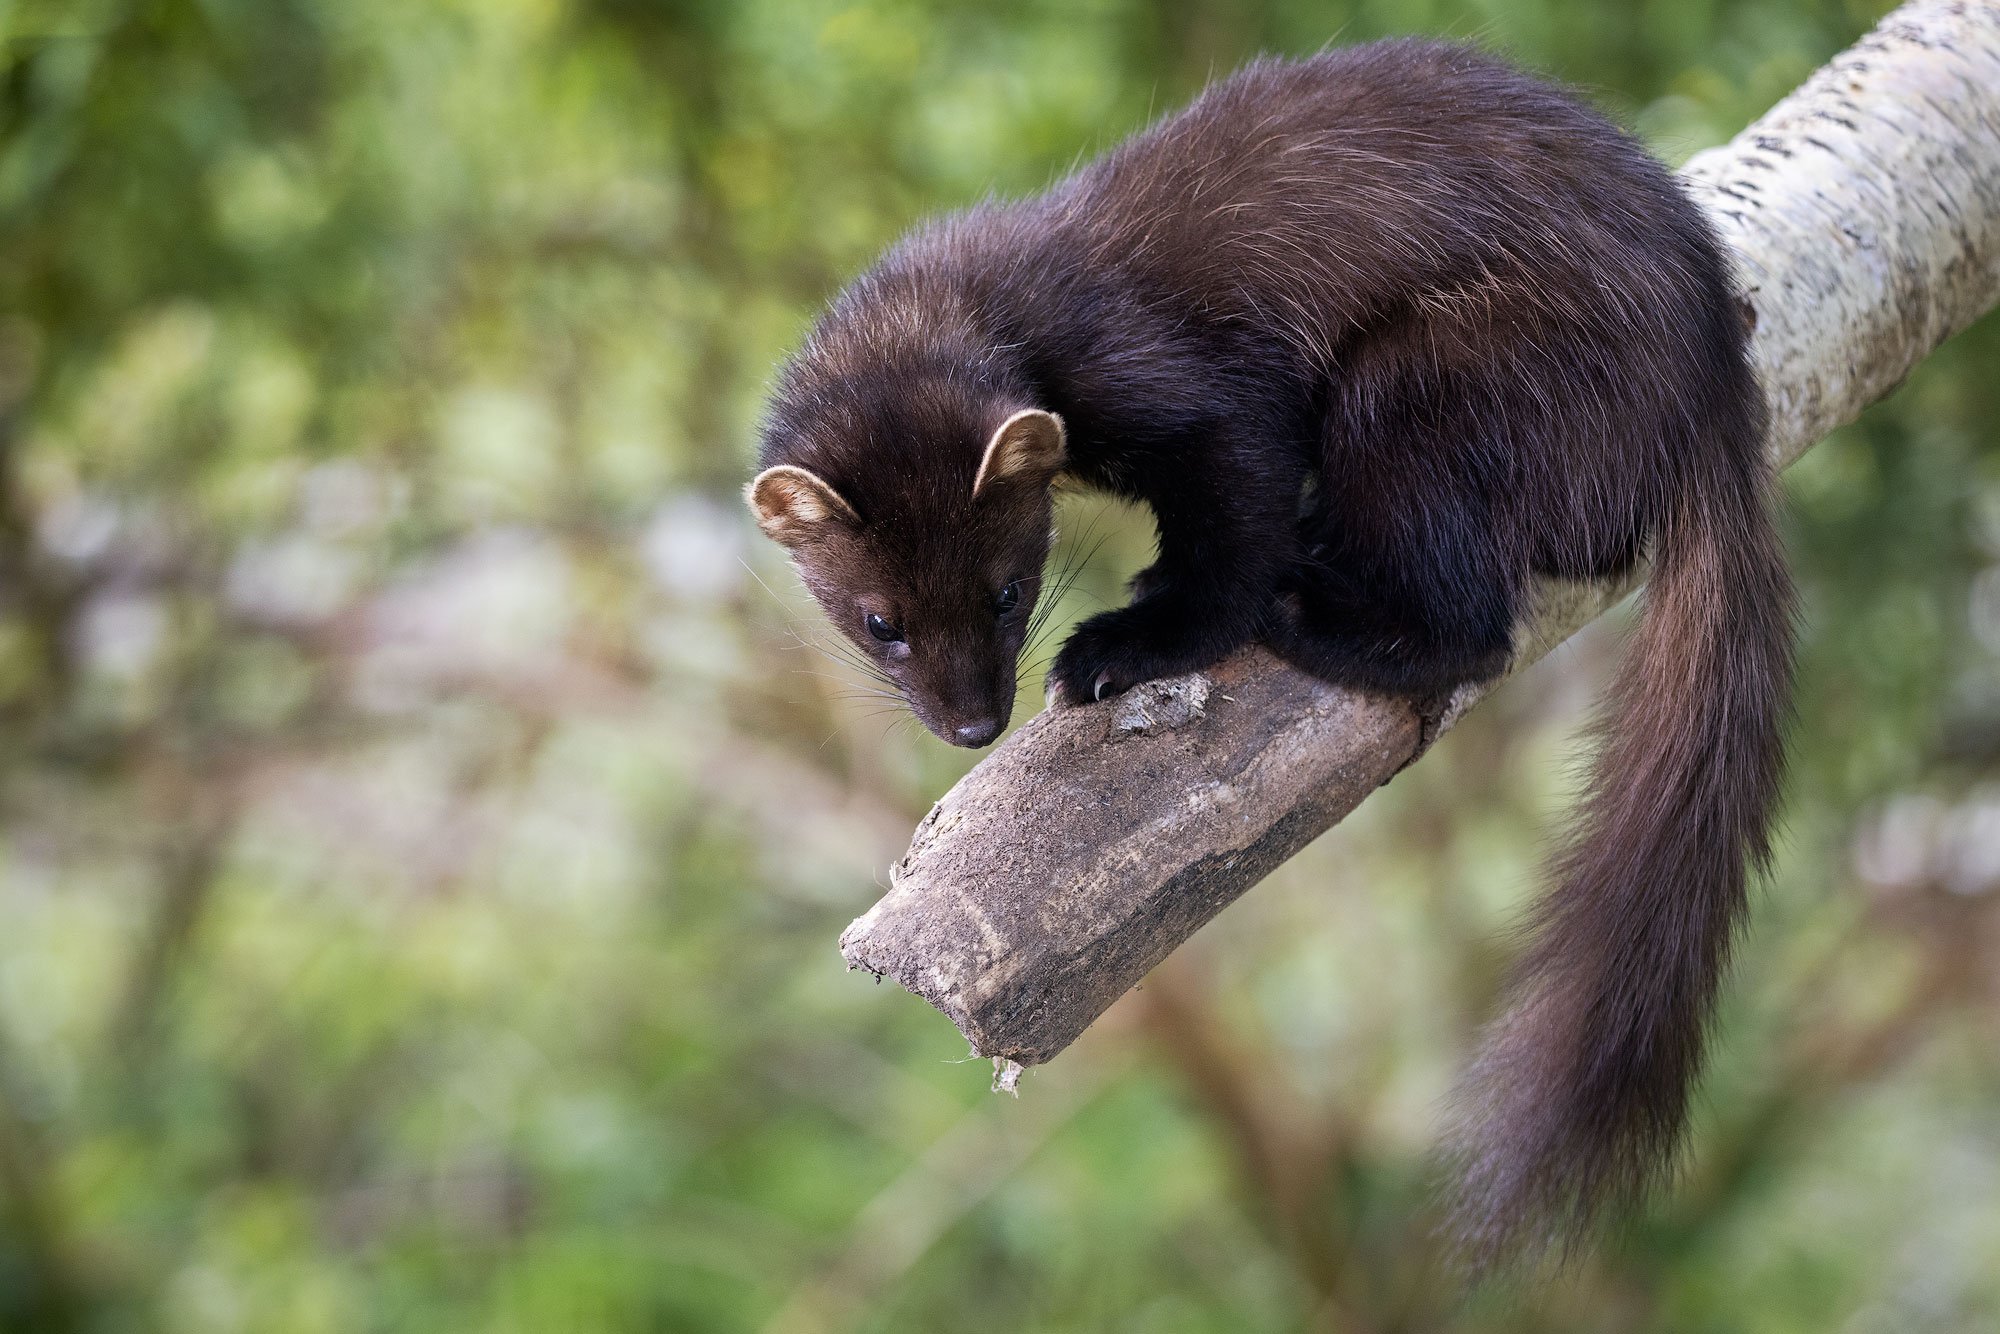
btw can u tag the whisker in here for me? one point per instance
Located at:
(824, 676)
(752, 571)
(847, 656)
(839, 650)
(1044, 618)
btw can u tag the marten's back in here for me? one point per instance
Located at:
(1409, 220)
(1320, 197)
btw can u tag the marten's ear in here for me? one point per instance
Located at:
(1028, 445)
(794, 505)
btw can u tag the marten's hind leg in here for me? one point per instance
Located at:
(1408, 586)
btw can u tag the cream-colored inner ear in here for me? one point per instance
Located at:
(792, 503)
(1029, 444)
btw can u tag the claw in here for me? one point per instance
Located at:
(1103, 688)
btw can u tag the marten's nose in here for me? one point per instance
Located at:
(976, 733)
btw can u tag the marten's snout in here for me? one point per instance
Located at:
(960, 690)
(976, 734)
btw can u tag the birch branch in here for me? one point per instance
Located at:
(1864, 213)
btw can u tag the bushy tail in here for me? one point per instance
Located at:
(1578, 1097)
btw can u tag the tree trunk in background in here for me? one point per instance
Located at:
(1864, 215)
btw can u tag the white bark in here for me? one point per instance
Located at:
(1864, 212)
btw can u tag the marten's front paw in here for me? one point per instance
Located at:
(1112, 652)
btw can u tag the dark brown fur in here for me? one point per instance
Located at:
(1377, 335)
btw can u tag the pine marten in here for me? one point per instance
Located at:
(1377, 335)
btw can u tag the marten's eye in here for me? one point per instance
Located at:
(1007, 598)
(882, 630)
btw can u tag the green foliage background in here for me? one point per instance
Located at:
(422, 839)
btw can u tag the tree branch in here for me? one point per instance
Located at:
(1864, 213)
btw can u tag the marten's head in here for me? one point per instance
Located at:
(922, 533)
